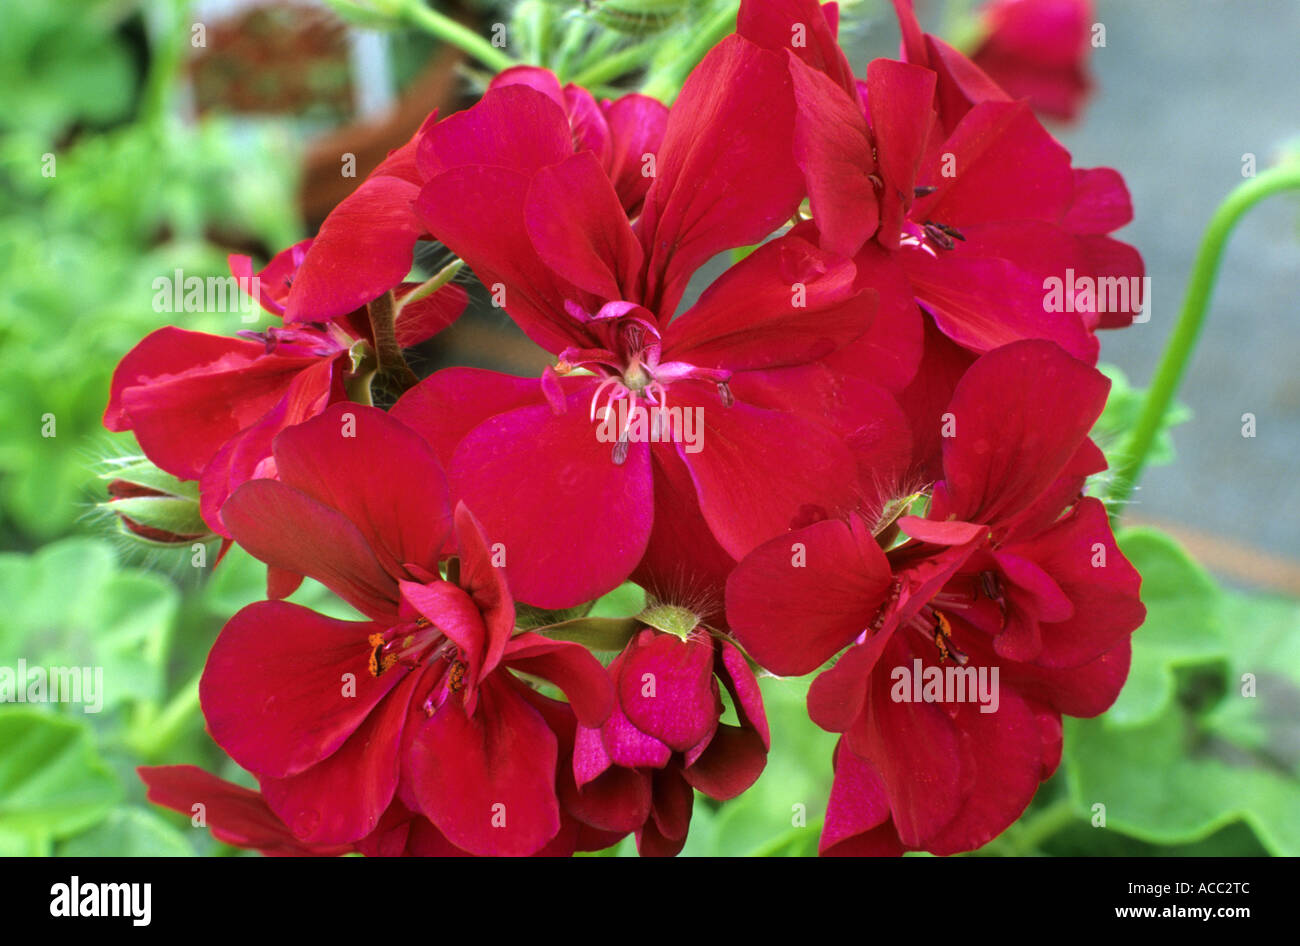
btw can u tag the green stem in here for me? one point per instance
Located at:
(164, 728)
(1173, 363)
(430, 286)
(456, 34)
(621, 63)
(573, 38)
(768, 848)
(665, 83)
(1029, 834)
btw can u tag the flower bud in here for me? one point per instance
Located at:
(153, 505)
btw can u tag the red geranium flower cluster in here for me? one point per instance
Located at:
(862, 449)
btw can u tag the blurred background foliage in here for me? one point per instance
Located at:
(115, 169)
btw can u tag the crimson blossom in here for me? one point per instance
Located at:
(420, 703)
(665, 739)
(1012, 586)
(963, 202)
(746, 426)
(207, 407)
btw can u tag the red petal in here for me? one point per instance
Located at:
(798, 599)
(284, 687)
(488, 781)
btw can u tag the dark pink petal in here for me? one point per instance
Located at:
(569, 666)
(185, 394)
(805, 28)
(836, 698)
(858, 804)
(664, 833)
(636, 127)
(284, 687)
(1006, 749)
(798, 599)
(746, 697)
(488, 781)
(666, 688)
(364, 248)
(682, 561)
(898, 98)
(721, 179)
(1080, 554)
(833, 147)
(342, 798)
(534, 77)
(513, 126)
(759, 470)
(448, 404)
(786, 303)
(917, 751)
(534, 478)
(378, 473)
(983, 303)
(1021, 413)
(248, 454)
(289, 530)
(479, 213)
(732, 762)
(450, 610)
(992, 147)
(233, 814)
(579, 228)
(485, 582)
(1101, 202)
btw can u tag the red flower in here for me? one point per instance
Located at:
(664, 738)
(1038, 50)
(421, 701)
(973, 210)
(545, 227)
(206, 407)
(365, 245)
(1014, 579)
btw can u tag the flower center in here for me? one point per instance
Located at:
(626, 357)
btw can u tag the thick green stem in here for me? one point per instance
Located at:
(456, 34)
(1178, 351)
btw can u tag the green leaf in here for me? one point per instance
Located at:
(71, 606)
(1203, 736)
(608, 634)
(129, 832)
(52, 782)
(1183, 625)
(1162, 783)
(781, 814)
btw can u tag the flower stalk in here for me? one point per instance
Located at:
(1178, 351)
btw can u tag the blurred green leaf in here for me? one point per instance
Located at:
(52, 782)
(129, 832)
(1183, 625)
(1203, 736)
(70, 605)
